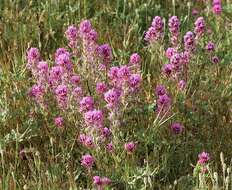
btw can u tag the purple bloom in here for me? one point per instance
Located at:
(71, 33)
(185, 57)
(130, 147)
(160, 90)
(42, 67)
(62, 96)
(164, 102)
(167, 69)
(59, 121)
(106, 132)
(217, 9)
(177, 128)
(86, 104)
(87, 161)
(135, 81)
(170, 52)
(210, 47)
(189, 41)
(101, 88)
(84, 28)
(105, 53)
(33, 55)
(174, 25)
(176, 60)
(112, 97)
(199, 26)
(75, 80)
(135, 59)
(124, 72)
(64, 60)
(82, 138)
(215, 59)
(158, 24)
(60, 51)
(110, 147)
(94, 118)
(89, 142)
(203, 158)
(97, 180)
(37, 92)
(77, 93)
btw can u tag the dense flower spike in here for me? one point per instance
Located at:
(210, 47)
(203, 158)
(33, 55)
(199, 26)
(94, 118)
(174, 25)
(59, 122)
(160, 90)
(86, 104)
(130, 147)
(71, 33)
(177, 128)
(181, 84)
(105, 54)
(134, 81)
(217, 7)
(189, 41)
(62, 96)
(101, 88)
(135, 59)
(87, 161)
(112, 97)
(155, 32)
(170, 52)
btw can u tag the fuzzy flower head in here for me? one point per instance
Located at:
(85, 27)
(110, 147)
(112, 97)
(215, 59)
(75, 80)
(160, 90)
(164, 101)
(176, 128)
(203, 158)
(170, 52)
(97, 180)
(189, 41)
(59, 121)
(135, 81)
(87, 161)
(60, 51)
(105, 54)
(167, 69)
(124, 72)
(217, 9)
(64, 60)
(42, 68)
(130, 147)
(86, 104)
(135, 59)
(210, 47)
(101, 87)
(158, 23)
(33, 55)
(94, 118)
(174, 25)
(71, 33)
(199, 26)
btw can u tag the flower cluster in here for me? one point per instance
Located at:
(156, 31)
(101, 182)
(217, 7)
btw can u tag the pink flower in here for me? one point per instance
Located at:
(86, 104)
(71, 33)
(59, 121)
(33, 55)
(130, 147)
(181, 84)
(87, 161)
(135, 59)
(134, 81)
(170, 52)
(94, 118)
(75, 80)
(101, 88)
(177, 128)
(203, 158)
(112, 97)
